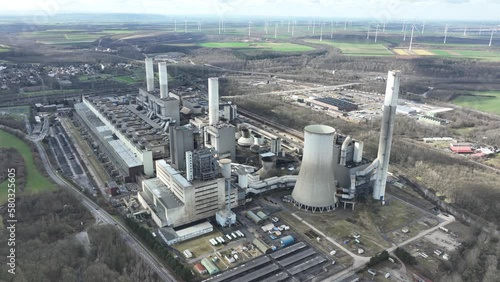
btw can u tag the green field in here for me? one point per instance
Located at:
(488, 101)
(125, 79)
(68, 36)
(471, 54)
(36, 182)
(356, 49)
(279, 46)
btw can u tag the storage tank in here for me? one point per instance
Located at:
(254, 217)
(286, 241)
(246, 139)
(258, 139)
(315, 186)
(262, 215)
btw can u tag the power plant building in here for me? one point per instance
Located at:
(172, 200)
(335, 104)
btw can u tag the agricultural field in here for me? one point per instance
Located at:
(68, 36)
(271, 46)
(451, 53)
(356, 49)
(35, 182)
(4, 48)
(488, 101)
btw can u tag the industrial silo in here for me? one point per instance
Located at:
(315, 186)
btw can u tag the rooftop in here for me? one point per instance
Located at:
(163, 193)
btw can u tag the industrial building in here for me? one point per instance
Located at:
(172, 200)
(334, 104)
(171, 236)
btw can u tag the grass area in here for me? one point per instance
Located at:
(356, 49)
(199, 245)
(85, 78)
(16, 110)
(395, 215)
(125, 79)
(36, 182)
(272, 46)
(487, 101)
(49, 92)
(494, 161)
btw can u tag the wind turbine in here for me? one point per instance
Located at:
(265, 27)
(276, 31)
(465, 30)
(345, 25)
(404, 26)
(321, 32)
(423, 27)
(293, 28)
(314, 25)
(376, 34)
(331, 34)
(445, 33)
(383, 30)
(199, 25)
(219, 26)
(288, 26)
(185, 26)
(249, 28)
(491, 37)
(368, 33)
(413, 27)
(175, 25)
(404, 36)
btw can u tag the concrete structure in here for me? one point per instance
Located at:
(172, 200)
(181, 141)
(166, 109)
(246, 139)
(162, 69)
(171, 236)
(150, 78)
(221, 138)
(213, 101)
(386, 132)
(136, 137)
(315, 187)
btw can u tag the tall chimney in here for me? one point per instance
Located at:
(162, 68)
(386, 132)
(213, 100)
(150, 80)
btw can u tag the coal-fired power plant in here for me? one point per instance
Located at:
(315, 186)
(386, 132)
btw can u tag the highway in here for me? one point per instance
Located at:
(104, 217)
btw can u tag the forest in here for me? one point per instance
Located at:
(57, 240)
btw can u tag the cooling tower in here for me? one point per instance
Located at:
(246, 138)
(162, 69)
(150, 80)
(385, 142)
(213, 100)
(315, 186)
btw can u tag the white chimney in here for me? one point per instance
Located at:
(162, 68)
(213, 100)
(386, 132)
(150, 80)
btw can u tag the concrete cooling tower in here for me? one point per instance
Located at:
(315, 186)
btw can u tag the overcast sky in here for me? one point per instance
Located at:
(468, 10)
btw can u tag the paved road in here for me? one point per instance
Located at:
(104, 217)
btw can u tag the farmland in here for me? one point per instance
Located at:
(483, 101)
(271, 46)
(60, 36)
(35, 182)
(356, 49)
